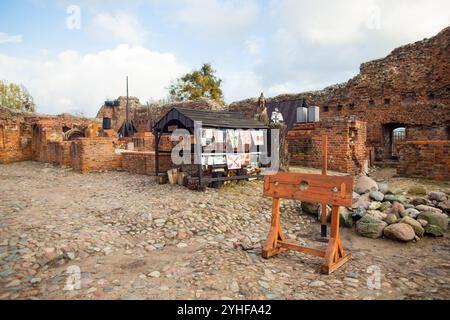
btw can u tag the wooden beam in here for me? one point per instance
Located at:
(310, 251)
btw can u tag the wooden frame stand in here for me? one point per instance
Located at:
(336, 191)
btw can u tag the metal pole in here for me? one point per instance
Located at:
(127, 112)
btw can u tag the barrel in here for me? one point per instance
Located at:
(106, 123)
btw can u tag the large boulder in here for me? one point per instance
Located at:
(418, 229)
(385, 205)
(400, 232)
(392, 198)
(437, 196)
(434, 230)
(375, 205)
(358, 213)
(419, 201)
(391, 219)
(346, 218)
(362, 202)
(377, 214)
(444, 206)
(435, 218)
(371, 227)
(417, 190)
(376, 195)
(365, 184)
(425, 208)
(384, 188)
(411, 212)
(310, 208)
(396, 208)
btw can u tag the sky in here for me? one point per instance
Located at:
(72, 55)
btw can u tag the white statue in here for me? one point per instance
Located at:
(277, 117)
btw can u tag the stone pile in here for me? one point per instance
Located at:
(402, 216)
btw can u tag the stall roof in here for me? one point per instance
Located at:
(212, 119)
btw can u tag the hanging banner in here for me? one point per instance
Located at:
(232, 138)
(218, 136)
(208, 134)
(219, 160)
(245, 159)
(233, 161)
(245, 137)
(258, 137)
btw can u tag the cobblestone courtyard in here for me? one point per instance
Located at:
(134, 239)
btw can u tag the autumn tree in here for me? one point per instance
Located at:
(15, 97)
(201, 83)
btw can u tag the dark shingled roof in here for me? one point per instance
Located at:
(210, 119)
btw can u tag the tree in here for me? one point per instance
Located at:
(201, 83)
(16, 97)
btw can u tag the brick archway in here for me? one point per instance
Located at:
(74, 133)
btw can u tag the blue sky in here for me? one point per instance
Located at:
(282, 46)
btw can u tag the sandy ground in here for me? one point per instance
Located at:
(125, 237)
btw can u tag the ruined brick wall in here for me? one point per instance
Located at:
(346, 145)
(143, 141)
(117, 113)
(92, 155)
(430, 159)
(15, 141)
(409, 88)
(144, 162)
(144, 117)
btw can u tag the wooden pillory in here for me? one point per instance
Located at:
(333, 190)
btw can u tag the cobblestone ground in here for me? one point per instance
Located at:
(134, 239)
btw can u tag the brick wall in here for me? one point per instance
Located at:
(144, 162)
(91, 155)
(409, 88)
(430, 159)
(346, 145)
(15, 141)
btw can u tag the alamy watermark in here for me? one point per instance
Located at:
(73, 20)
(374, 279)
(223, 147)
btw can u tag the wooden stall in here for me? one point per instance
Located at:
(224, 145)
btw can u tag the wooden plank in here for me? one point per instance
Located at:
(314, 188)
(310, 251)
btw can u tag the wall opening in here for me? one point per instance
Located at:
(398, 135)
(393, 133)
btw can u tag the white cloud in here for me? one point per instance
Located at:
(6, 38)
(80, 83)
(239, 85)
(253, 46)
(123, 27)
(346, 22)
(219, 18)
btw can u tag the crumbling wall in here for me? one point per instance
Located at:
(145, 163)
(346, 145)
(144, 117)
(15, 141)
(93, 155)
(430, 159)
(409, 88)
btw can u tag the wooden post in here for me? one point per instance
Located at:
(158, 136)
(323, 229)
